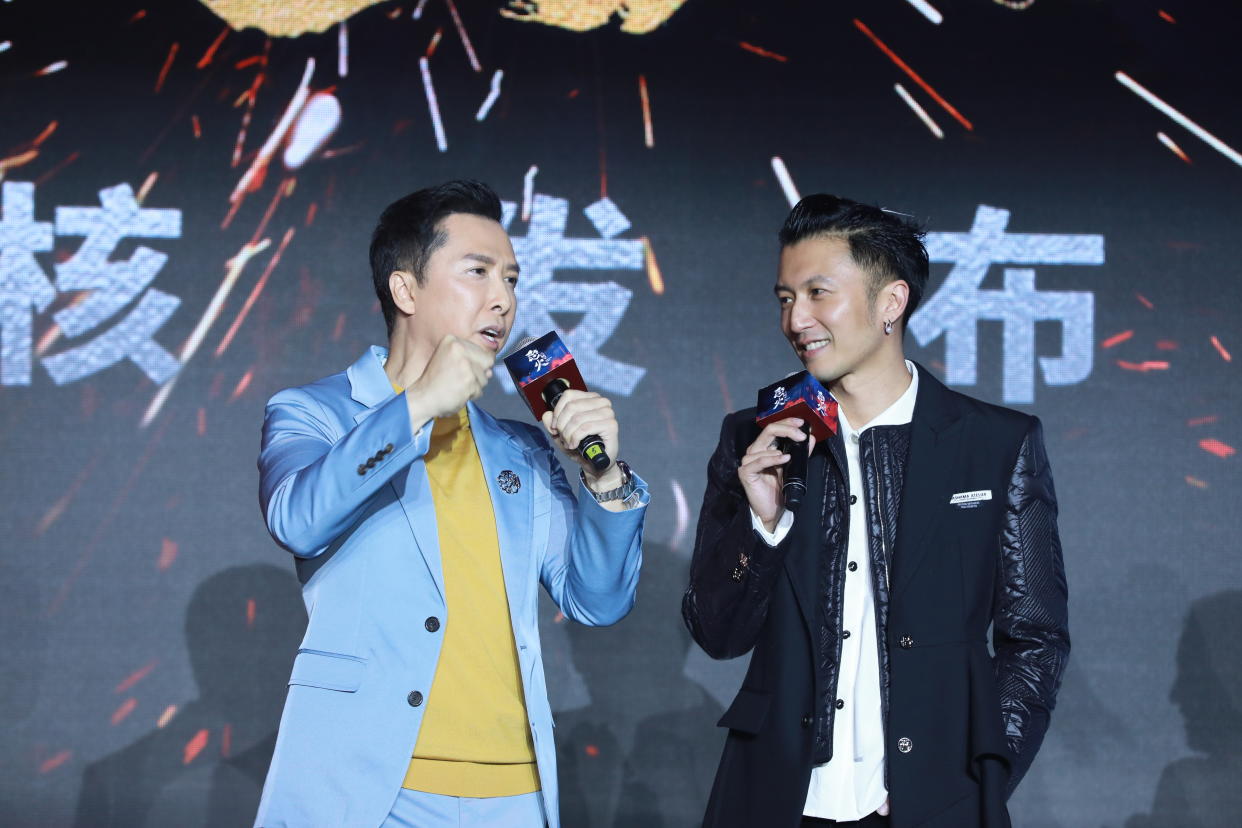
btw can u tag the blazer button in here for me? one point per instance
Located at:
(415, 698)
(362, 468)
(906, 642)
(370, 462)
(388, 449)
(905, 745)
(432, 624)
(807, 720)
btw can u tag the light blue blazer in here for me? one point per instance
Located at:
(343, 486)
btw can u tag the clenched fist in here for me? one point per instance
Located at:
(457, 371)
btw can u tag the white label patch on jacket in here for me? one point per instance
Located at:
(969, 500)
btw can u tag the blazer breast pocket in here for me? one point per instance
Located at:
(329, 671)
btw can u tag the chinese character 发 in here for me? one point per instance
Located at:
(959, 304)
(544, 250)
(781, 396)
(107, 286)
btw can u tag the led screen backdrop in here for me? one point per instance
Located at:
(188, 192)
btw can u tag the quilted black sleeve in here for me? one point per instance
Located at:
(733, 569)
(1030, 626)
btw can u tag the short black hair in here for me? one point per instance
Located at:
(409, 231)
(886, 245)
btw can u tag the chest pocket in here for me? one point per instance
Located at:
(330, 671)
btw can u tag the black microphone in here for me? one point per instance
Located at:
(543, 369)
(798, 395)
(591, 446)
(795, 470)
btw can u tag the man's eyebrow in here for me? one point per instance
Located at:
(483, 258)
(818, 277)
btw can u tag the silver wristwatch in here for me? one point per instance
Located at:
(627, 487)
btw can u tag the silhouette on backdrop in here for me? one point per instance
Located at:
(206, 766)
(1203, 791)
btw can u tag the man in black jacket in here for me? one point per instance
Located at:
(872, 697)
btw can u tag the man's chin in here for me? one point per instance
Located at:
(821, 368)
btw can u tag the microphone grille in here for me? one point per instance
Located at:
(526, 340)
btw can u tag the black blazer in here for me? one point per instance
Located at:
(964, 721)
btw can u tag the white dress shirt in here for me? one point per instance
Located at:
(851, 785)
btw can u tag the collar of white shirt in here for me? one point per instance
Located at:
(899, 413)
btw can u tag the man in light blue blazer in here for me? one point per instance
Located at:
(349, 485)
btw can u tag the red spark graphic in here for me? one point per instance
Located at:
(195, 746)
(242, 385)
(168, 552)
(168, 62)
(211, 50)
(1117, 339)
(1143, 367)
(58, 508)
(45, 134)
(1213, 446)
(124, 710)
(134, 677)
(55, 762)
(914, 76)
(54, 171)
(759, 50)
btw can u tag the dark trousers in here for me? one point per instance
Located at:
(869, 821)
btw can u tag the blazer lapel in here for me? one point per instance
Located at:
(506, 466)
(370, 386)
(935, 443)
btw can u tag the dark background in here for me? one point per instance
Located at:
(149, 622)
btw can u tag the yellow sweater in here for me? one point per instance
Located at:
(474, 740)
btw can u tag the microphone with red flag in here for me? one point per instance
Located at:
(798, 395)
(543, 369)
